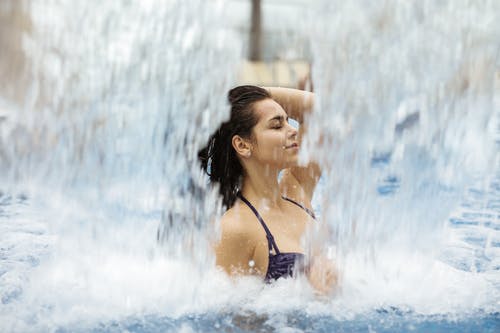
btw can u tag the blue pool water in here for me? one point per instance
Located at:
(108, 285)
(380, 321)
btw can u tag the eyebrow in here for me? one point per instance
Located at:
(278, 117)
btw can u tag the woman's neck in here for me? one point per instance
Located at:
(261, 187)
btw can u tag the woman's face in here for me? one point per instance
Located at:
(275, 140)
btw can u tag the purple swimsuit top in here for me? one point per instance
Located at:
(281, 264)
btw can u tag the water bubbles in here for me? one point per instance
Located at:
(406, 92)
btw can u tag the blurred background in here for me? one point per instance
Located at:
(275, 44)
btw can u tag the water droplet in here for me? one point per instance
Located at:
(251, 263)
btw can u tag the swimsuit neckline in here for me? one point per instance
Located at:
(280, 263)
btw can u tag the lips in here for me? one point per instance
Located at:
(293, 145)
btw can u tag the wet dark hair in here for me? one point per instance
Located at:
(218, 158)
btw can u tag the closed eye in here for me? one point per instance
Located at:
(277, 122)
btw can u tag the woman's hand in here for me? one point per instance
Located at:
(295, 102)
(322, 275)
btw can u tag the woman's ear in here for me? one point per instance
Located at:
(243, 147)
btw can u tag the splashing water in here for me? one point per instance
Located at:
(105, 217)
(408, 104)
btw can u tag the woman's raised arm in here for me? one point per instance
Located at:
(296, 102)
(297, 182)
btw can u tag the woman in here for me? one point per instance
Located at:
(262, 229)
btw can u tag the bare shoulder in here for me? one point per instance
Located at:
(237, 241)
(234, 219)
(236, 225)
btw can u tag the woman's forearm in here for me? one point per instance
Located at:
(295, 102)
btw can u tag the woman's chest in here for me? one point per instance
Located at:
(284, 235)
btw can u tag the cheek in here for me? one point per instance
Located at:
(276, 145)
(275, 142)
(270, 145)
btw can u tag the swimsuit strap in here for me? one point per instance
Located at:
(270, 239)
(307, 210)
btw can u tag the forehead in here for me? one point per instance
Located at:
(267, 109)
